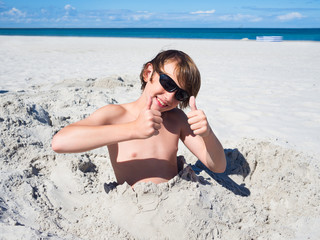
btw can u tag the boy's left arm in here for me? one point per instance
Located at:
(201, 140)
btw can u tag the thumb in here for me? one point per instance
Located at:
(192, 103)
(149, 103)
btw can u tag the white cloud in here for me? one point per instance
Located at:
(240, 17)
(204, 12)
(70, 11)
(122, 15)
(68, 7)
(14, 12)
(138, 17)
(290, 16)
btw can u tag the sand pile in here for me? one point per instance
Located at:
(267, 191)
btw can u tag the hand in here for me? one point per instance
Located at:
(197, 119)
(148, 122)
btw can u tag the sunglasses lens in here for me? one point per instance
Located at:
(169, 85)
(181, 95)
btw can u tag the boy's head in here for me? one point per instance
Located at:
(187, 73)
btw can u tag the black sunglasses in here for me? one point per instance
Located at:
(170, 86)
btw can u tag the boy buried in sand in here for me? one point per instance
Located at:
(142, 136)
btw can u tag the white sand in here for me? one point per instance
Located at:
(262, 100)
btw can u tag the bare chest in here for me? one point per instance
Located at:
(164, 146)
(152, 159)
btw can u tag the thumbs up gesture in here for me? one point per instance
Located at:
(197, 119)
(148, 122)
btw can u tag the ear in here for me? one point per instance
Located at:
(147, 72)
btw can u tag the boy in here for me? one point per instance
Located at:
(142, 136)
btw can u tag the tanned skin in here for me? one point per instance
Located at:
(142, 136)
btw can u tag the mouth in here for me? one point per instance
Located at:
(161, 103)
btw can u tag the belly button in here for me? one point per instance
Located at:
(134, 155)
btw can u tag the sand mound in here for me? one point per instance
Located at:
(267, 191)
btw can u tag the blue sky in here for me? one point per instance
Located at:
(165, 13)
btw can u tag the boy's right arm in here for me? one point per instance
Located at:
(92, 132)
(98, 130)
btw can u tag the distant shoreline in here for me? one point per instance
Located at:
(288, 34)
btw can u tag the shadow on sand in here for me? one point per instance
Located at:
(236, 164)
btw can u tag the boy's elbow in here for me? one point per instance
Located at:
(222, 166)
(56, 144)
(219, 167)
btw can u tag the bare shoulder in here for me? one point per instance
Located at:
(105, 115)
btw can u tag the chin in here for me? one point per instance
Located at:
(166, 109)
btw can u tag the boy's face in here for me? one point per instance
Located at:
(163, 100)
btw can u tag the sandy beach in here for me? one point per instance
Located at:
(261, 99)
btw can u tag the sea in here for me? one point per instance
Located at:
(286, 34)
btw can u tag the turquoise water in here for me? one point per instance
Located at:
(301, 34)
